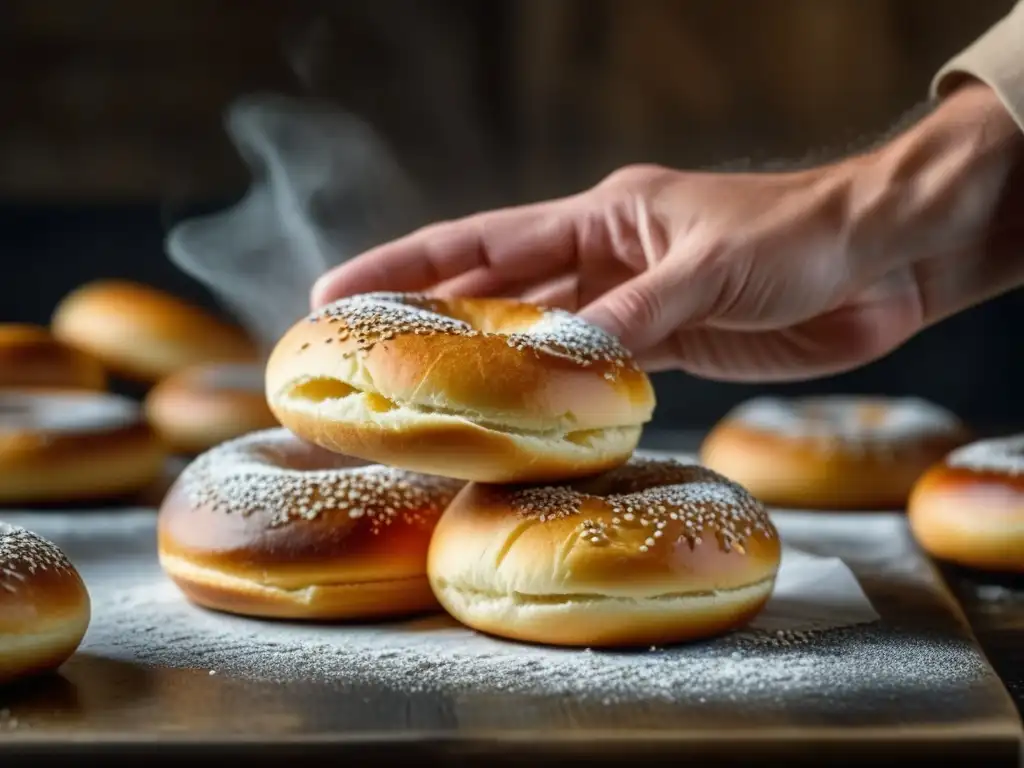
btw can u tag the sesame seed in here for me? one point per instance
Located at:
(258, 473)
(647, 494)
(23, 554)
(376, 317)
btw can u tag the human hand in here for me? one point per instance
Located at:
(747, 276)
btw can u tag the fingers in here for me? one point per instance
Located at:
(484, 282)
(560, 293)
(647, 308)
(830, 344)
(527, 243)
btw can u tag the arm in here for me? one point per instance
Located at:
(946, 199)
(763, 276)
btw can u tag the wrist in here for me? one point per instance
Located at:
(938, 186)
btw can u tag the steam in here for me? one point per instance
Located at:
(324, 188)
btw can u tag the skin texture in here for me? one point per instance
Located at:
(744, 277)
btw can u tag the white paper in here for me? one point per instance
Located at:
(813, 594)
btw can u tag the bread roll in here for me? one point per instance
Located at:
(654, 552)
(833, 452)
(489, 390)
(969, 508)
(204, 405)
(270, 526)
(143, 334)
(73, 447)
(44, 605)
(30, 357)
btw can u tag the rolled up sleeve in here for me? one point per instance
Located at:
(997, 59)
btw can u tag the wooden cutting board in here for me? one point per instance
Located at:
(158, 674)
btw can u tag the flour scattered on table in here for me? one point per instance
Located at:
(153, 624)
(141, 618)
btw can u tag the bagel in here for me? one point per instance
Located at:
(143, 334)
(834, 452)
(968, 509)
(654, 552)
(30, 357)
(204, 405)
(73, 447)
(44, 605)
(489, 390)
(268, 525)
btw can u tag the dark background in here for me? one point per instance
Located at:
(111, 127)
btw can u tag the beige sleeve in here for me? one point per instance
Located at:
(997, 59)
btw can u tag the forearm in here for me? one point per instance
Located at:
(950, 185)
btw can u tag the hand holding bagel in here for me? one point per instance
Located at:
(757, 277)
(561, 536)
(490, 390)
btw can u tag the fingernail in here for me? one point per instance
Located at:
(317, 293)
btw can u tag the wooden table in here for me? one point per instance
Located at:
(123, 695)
(994, 606)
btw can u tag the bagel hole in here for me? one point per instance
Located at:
(306, 457)
(503, 318)
(323, 389)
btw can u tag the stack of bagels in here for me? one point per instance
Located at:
(472, 455)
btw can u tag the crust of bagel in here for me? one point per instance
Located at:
(596, 621)
(191, 416)
(971, 518)
(800, 473)
(44, 614)
(31, 357)
(358, 600)
(543, 581)
(333, 558)
(143, 334)
(482, 378)
(64, 468)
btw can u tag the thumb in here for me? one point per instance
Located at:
(645, 309)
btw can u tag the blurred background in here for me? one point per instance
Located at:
(113, 127)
